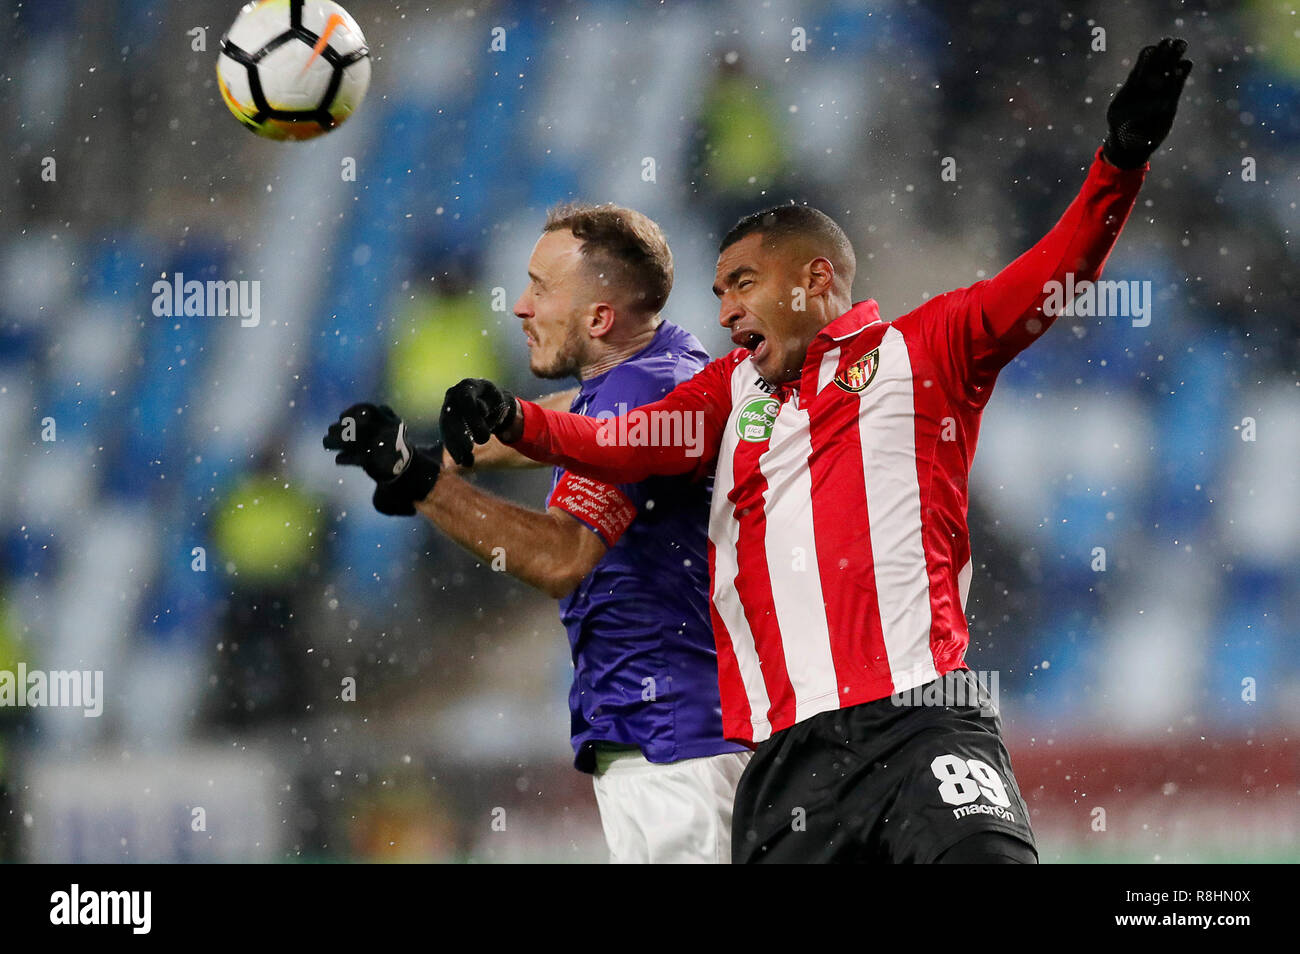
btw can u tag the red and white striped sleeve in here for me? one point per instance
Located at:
(598, 448)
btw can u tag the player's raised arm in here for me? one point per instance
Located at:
(677, 434)
(972, 333)
(1139, 117)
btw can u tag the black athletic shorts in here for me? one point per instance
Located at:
(897, 780)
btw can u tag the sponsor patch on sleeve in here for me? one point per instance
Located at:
(599, 505)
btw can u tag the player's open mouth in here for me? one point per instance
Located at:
(753, 342)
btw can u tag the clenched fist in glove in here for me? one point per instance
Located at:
(473, 411)
(1142, 112)
(374, 439)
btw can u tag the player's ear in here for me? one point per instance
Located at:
(821, 276)
(600, 319)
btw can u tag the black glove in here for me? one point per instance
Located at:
(472, 412)
(374, 439)
(1142, 112)
(397, 498)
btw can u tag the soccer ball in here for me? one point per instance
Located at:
(293, 69)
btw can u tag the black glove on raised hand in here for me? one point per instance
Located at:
(473, 411)
(374, 439)
(1142, 112)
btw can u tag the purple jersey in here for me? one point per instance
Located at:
(645, 666)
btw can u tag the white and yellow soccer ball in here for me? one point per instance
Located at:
(293, 69)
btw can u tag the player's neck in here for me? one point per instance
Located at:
(613, 353)
(837, 305)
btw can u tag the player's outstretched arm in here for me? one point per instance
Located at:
(1139, 118)
(550, 551)
(497, 456)
(678, 434)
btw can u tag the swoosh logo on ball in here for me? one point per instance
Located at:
(333, 23)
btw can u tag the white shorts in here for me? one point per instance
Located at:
(670, 813)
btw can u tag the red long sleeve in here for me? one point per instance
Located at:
(678, 434)
(1079, 243)
(972, 333)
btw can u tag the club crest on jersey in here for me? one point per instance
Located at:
(756, 418)
(860, 373)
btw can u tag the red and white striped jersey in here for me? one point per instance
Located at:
(838, 547)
